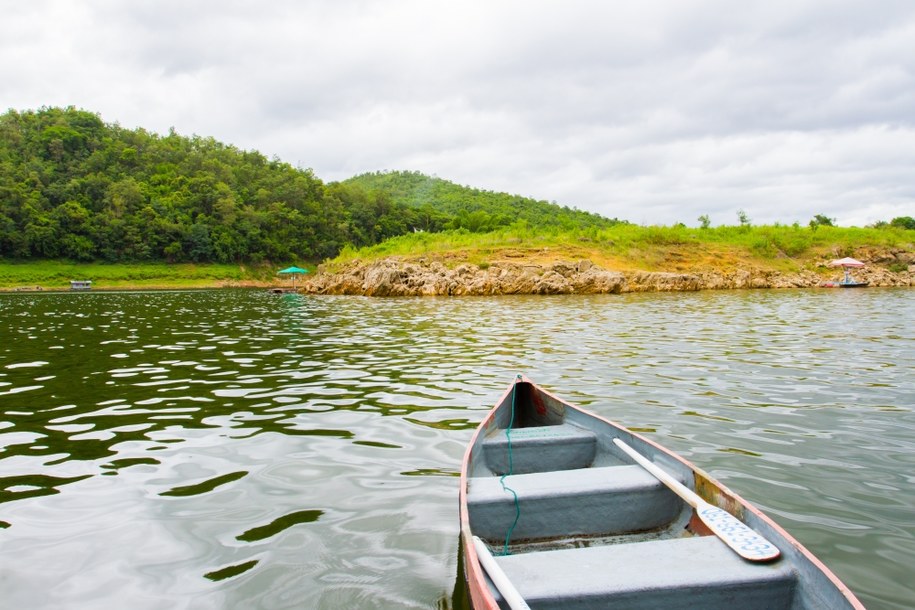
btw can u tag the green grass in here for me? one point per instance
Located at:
(785, 247)
(56, 275)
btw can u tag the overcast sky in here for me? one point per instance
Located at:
(655, 111)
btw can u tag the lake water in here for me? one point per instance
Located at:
(239, 449)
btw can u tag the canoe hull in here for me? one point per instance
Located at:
(525, 407)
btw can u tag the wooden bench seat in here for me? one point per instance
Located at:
(682, 573)
(590, 501)
(540, 448)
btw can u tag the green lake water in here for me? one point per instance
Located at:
(239, 449)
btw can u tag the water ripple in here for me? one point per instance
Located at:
(198, 443)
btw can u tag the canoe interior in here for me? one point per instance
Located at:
(590, 529)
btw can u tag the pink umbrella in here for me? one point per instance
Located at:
(846, 262)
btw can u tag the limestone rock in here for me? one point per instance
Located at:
(421, 277)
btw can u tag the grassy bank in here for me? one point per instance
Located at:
(56, 275)
(652, 248)
(621, 248)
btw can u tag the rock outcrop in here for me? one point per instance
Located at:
(421, 277)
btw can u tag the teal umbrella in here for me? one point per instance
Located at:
(293, 271)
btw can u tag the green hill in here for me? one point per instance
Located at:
(446, 205)
(74, 187)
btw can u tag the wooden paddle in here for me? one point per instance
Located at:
(497, 576)
(742, 540)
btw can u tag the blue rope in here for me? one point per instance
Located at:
(505, 487)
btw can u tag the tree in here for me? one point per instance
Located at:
(743, 218)
(42, 236)
(903, 222)
(12, 241)
(704, 221)
(821, 220)
(199, 245)
(71, 217)
(78, 247)
(123, 197)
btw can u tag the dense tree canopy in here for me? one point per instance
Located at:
(72, 186)
(903, 222)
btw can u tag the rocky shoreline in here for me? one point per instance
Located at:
(421, 277)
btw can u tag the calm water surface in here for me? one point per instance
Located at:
(238, 449)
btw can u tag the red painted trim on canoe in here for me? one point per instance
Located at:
(480, 596)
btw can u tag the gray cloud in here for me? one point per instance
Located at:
(656, 112)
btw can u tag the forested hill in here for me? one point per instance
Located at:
(72, 186)
(469, 208)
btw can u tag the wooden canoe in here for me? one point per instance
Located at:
(591, 528)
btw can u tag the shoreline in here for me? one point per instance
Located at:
(139, 287)
(420, 277)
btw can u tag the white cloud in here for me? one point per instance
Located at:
(655, 112)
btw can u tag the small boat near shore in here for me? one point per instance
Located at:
(561, 508)
(847, 280)
(850, 284)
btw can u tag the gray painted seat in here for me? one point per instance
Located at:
(600, 501)
(534, 449)
(664, 574)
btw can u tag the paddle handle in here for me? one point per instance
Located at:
(688, 495)
(497, 576)
(733, 532)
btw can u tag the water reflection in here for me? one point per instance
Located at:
(289, 451)
(278, 525)
(230, 571)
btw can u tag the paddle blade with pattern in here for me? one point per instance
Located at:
(741, 539)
